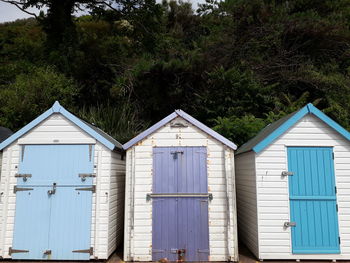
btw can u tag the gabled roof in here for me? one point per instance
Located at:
(93, 131)
(187, 117)
(272, 131)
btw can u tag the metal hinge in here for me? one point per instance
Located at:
(90, 251)
(339, 240)
(12, 251)
(336, 206)
(83, 176)
(24, 176)
(18, 189)
(335, 189)
(92, 189)
(286, 173)
(333, 156)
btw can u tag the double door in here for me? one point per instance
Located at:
(180, 204)
(53, 203)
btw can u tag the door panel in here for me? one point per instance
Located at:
(164, 235)
(180, 222)
(61, 164)
(193, 228)
(61, 221)
(31, 223)
(70, 223)
(312, 196)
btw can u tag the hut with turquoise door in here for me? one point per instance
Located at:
(61, 189)
(293, 189)
(180, 201)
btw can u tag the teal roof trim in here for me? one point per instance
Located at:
(308, 109)
(57, 108)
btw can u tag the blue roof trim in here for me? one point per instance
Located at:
(188, 118)
(309, 108)
(86, 128)
(206, 129)
(329, 121)
(57, 108)
(149, 131)
(25, 129)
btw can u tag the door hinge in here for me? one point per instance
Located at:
(89, 251)
(335, 189)
(92, 189)
(90, 152)
(18, 189)
(339, 240)
(12, 251)
(336, 207)
(24, 176)
(333, 156)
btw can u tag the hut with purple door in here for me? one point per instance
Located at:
(180, 198)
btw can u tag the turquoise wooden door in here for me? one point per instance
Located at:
(54, 204)
(313, 203)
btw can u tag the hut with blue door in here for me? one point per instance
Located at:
(293, 189)
(180, 201)
(61, 189)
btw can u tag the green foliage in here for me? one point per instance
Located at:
(32, 93)
(236, 65)
(239, 130)
(119, 121)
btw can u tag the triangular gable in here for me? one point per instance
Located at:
(185, 116)
(94, 132)
(259, 143)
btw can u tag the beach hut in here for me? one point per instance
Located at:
(62, 190)
(293, 189)
(180, 193)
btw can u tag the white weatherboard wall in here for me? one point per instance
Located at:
(107, 203)
(138, 215)
(246, 201)
(273, 194)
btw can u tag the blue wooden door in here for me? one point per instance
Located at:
(313, 204)
(30, 232)
(180, 223)
(70, 224)
(57, 201)
(61, 164)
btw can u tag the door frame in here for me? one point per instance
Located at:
(332, 147)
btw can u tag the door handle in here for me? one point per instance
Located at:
(53, 190)
(289, 224)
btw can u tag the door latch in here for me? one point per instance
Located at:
(24, 176)
(289, 224)
(53, 190)
(286, 173)
(47, 252)
(175, 153)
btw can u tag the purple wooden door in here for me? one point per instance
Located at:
(180, 222)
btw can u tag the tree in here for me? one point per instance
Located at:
(58, 23)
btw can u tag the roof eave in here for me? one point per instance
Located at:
(57, 108)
